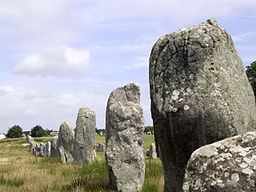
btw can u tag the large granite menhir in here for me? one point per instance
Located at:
(85, 136)
(65, 143)
(124, 139)
(226, 165)
(199, 94)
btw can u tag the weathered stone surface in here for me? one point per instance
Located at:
(199, 94)
(54, 147)
(65, 143)
(124, 139)
(32, 144)
(152, 151)
(48, 149)
(100, 147)
(227, 165)
(41, 149)
(85, 136)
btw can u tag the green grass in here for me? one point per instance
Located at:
(11, 182)
(22, 171)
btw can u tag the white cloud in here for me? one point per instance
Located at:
(62, 61)
(5, 90)
(242, 37)
(141, 61)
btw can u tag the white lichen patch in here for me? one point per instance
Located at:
(175, 97)
(174, 110)
(176, 92)
(186, 107)
(243, 165)
(247, 171)
(235, 177)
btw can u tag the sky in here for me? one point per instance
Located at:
(60, 55)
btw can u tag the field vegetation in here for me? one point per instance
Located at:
(21, 171)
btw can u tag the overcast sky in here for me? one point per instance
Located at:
(60, 55)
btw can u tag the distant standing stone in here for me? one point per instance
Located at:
(100, 147)
(85, 136)
(41, 149)
(152, 151)
(65, 143)
(54, 147)
(48, 149)
(199, 94)
(124, 139)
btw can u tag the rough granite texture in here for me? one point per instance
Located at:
(199, 94)
(65, 143)
(85, 136)
(124, 139)
(227, 165)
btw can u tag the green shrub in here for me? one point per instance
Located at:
(14, 132)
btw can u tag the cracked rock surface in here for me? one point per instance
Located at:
(124, 139)
(227, 165)
(199, 94)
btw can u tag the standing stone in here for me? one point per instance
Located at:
(41, 150)
(54, 147)
(85, 136)
(227, 165)
(32, 144)
(65, 143)
(124, 139)
(199, 94)
(152, 151)
(100, 147)
(48, 149)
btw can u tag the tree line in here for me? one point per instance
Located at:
(37, 131)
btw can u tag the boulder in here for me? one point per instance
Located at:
(152, 151)
(100, 147)
(48, 149)
(85, 136)
(65, 143)
(124, 139)
(199, 94)
(227, 165)
(54, 147)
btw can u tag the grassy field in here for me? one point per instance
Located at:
(21, 171)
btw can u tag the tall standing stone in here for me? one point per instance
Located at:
(152, 151)
(54, 147)
(65, 143)
(199, 94)
(124, 139)
(85, 136)
(48, 149)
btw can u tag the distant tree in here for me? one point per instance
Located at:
(38, 131)
(251, 74)
(14, 132)
(149, 129)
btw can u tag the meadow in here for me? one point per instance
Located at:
(21, 171)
